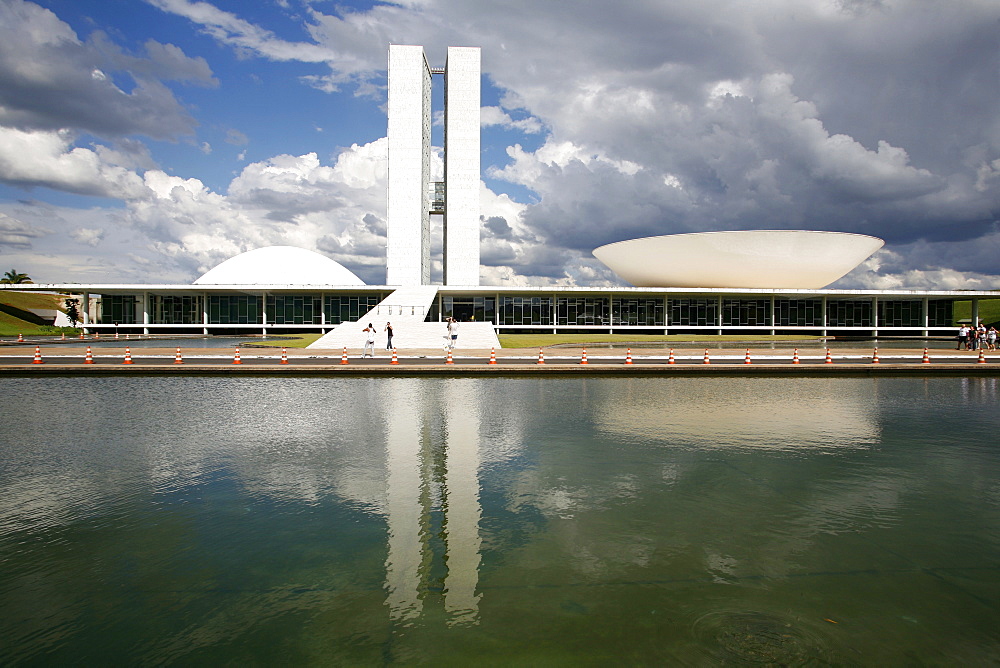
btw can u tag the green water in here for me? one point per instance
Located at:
(501, 521)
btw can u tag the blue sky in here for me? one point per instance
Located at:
(148, 140)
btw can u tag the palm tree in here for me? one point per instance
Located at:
(13, 276)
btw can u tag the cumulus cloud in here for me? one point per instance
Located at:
(51, 79)
(16, 233)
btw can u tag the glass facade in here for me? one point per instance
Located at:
(694, 312)
(120, 309)
(548, 310)
(798, 312)
(234, 310)
(581, 311)
(849, 313)
(638, 312)
(525, 311)
(900, 313)
(746, 312)
(479, 309)
(177, 309)
(348, 308)
(294, 309)
(940, 313)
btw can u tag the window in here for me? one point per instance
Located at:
(234, 310)
(746, 312)
(849, 313)
(121, 309)
(640, 312)
(525, 311)
(293, 309)
(348, 308)
(798, 312)
(581, 311)
(694, 312)
(177, 309)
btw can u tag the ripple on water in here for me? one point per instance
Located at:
(750, 637)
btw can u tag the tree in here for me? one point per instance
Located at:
(13, 276)
(73, 311)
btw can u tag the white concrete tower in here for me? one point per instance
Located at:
(461, 165)
(409, 137)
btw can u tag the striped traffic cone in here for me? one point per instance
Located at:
(875, 357)
(63, 336)
(670, 359)
(81, 336)
(38, 356)
(493, 356)
(628, 356)
(448, 359)
(343, 358)
(177, 357)
(128, 356)
(926, 360)
(394, 360)
(284, 355)
(746, 360)
(795, 356)
(236, 357)
(97, 335)
(20, 338)
(706, 360)
(982, 357)
(89, 357)
(116, 335)
(583, 357)
(541, 357)
(829, 360)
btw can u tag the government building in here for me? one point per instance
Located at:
(758, 281)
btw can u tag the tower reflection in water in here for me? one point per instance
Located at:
(432, 464)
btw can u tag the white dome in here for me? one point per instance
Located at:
(745, 259)
(279, 265)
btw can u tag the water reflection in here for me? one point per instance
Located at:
(421, 475)
(406, 520)
(801, 414)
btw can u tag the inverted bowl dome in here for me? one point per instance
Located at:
(741, 259)
(279, 264)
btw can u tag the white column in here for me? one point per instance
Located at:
(461, 166)
(409, 141)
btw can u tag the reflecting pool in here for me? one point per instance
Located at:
(542, 521)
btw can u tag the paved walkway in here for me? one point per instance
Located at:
(69, 358)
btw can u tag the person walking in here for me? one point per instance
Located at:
(369, 340)
(388, 331)
(963, 337)
(452, 333)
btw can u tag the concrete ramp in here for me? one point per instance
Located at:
(406, 309)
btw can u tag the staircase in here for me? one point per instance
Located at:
(406, 309)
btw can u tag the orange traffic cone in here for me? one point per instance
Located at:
(583, 357)
(343, 358)
(448, 359)
(493, 356)
(875, 357)
(541, 358)
(829, 360)
(982, 358)
(116, 335)
(926, 360)
(128, 356)
(97, 335)
(284, 355)
(236, 357)
(177, 357)
(63, 336)
(670, 359)
(746, 360)
(20, 338)
(395, 360)
(81, 336)
(795, 356)
(628, 356)
(706, 360)
(89, 357)
(38, 356)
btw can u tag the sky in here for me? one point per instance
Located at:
(145, 141)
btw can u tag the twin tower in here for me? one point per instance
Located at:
(412, 196)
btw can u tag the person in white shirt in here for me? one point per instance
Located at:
(369, 340)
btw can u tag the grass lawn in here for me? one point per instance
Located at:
(15, 318)
(989, 311)
(543, 340)
(289, 341)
